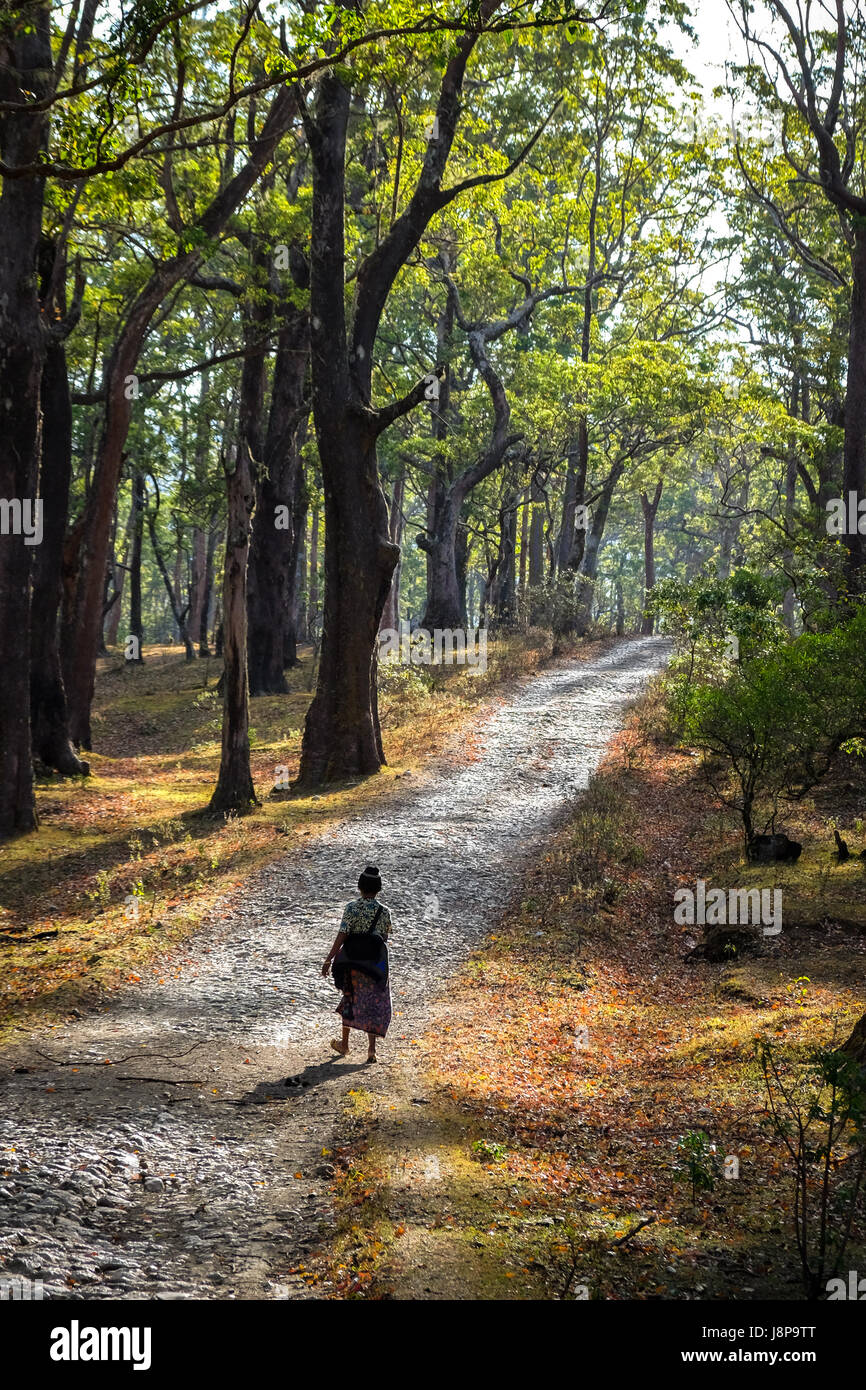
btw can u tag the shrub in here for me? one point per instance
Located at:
(818, 1110)
(773, 730)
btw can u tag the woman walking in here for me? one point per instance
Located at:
(360, 961)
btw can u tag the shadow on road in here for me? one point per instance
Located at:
(293, 1086)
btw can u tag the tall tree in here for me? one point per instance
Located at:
(26, 71)
(817, 69)
(342, 736)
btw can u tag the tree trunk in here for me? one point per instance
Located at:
(446, 599)
(173, 590)
(536, 547)
(198, 567)
(592, 553)
(50, 728)
(297, 629)
(649, 519)
(136, 630)
(342, 737)
(234, 790)
(391, 615)
(174, 596)
(115, 609)
(197, 581)
(275, 540)
(25, 75)
(444, 608)
(207, 601)
(855, 1045)
(439, 425)
(292, 623)
(572, 538)
(524, 549)
(313, 615)
(854, 466)
(789, 602)
(501, 596)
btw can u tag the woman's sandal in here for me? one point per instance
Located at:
(371, 1057)
(338, 1047)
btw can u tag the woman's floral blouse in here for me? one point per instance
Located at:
(360, 913)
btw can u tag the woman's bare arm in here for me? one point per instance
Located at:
(338, 941)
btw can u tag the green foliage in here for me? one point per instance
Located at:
(698, 1162)
(489, 1151)
(404, 683)
(715, 623)
(774, 726)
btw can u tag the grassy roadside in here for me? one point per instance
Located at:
(125, 864)
(516, 1156)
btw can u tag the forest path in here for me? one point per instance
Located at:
(188, 1168)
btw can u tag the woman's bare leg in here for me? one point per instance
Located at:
(371, 1046)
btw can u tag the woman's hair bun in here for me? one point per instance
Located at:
(372, 870)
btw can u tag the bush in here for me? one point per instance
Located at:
(555, 605)
(404, 683)
(817, 1109)
(773, 730)
(715, 623)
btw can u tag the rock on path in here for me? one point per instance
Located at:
(132, 1181)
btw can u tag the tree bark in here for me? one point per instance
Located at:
(48, 713)
(115, 607)
(25, 74)
(173, 590)
(274, 547)
(313, 585)
(341, 734)
(296, 628)
(524, 548)
(207, 602)
(500, 599)
(592, 553)
(198, 568)
(573, 538)
(136, 629)
(650, 509)
(234, 790)
(854, 465)
(855, 1045)
(446, 603)
(391, 614)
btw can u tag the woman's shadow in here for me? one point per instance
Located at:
(292, 1087)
